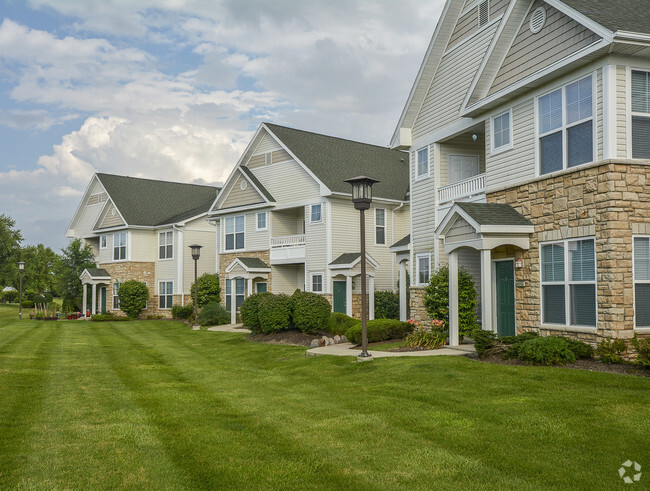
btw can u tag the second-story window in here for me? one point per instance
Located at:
(422, 163)
(119, 246)
(317, 282)
(565, 125)
(316, 213)
(501, 132)
(423, 268)
(261, 221)
(380, 226)
(166, 245)
(102, 242)
(640, 115)
(235, 233)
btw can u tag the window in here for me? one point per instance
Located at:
(422, 262)
(565, 125)
(102, 242)
(569, 283)
(501, 132)
(261, 221)
(380, 226)
(240, 284)
(261, 287)
(116, 299)
(316, 213)
(235, 233)
(422, 164)
(119, 246)
(166, 245)
(640, 115)
(317, 282)
(165, 294)
(642, 281)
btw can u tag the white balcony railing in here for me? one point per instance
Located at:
(288, 241)
(462, 189)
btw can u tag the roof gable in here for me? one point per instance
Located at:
(622, 15)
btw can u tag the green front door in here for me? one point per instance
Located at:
(339, 296)
(505, 284)
(102, 299)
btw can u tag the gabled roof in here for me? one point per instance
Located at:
(349, 260)
(622, 15)
(249, 264)
(256, 182)
(147, 202)
(493, 214)
(95, 274)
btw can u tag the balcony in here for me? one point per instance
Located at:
(288, 249)
(462, 189)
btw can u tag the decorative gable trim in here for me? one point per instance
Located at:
(82, 205)
(99, 224)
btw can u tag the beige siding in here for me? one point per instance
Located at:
(256, 161)
(287, 222)
(198, 232)
(423, 211)
(288, 182)
(256, 240)
(280, 156)
(621, 111)
(467, 25)
(461, 231)
(455, 148)
(316, 241)
(268, 144)
(345, 227)
(97, 198)
(240, 197)
(106, 254)
(144, 245)
(598, 119)
(286, 278)
(167, 269)
(560, 37)
(112, 218)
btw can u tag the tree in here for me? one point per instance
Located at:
(133, 295)
(209, 289)
(10, 240)
(74, 259)
(40, 263)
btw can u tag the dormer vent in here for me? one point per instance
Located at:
(537, 20)
(483, 13)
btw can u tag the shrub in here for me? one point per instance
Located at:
(339, 323)
(28, 304)
(386, 304)
(642, 348)
(133, 297)
(108, 317)
(182, 311)
(425, 338)
(436, 299)
(250, 311)
(209, 290)
(550, 350)
(274, 312)
(310, 312)
(213, 314)
(10, 296)
(609, 351)
(483, 340)
(380, 330)
(580, 350)
(519, 338)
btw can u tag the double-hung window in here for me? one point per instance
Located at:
(380, 226)
(501, 132)
(422, 163)
(569, 283)
(235, 233)
(640, 115)
(261, 221)
(240, 285)
(102, 242)
(119, 246)
(317, 282)
(166, 245)
(423, 268)
(642, 281)
(565, 126)
(316, 213)
(166, 294)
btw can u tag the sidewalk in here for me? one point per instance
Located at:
(347, 349)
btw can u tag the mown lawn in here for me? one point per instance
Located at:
(156, 405)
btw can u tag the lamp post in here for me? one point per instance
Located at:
(362, 197)
(196, 253)
(21, 269)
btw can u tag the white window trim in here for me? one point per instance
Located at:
(567, 284)
(103, 237)
(424, 175)
(383, 226)
(166, 294)
(126, 246)
(642, 329)
(159, 244)
(322, 282)
(321, 213)
(503, 148)
(257, 221)
(234, 218)
(564, 127)
(628, 108)
(419, 256)
(115, 296)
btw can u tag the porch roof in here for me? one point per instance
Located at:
(349, 260)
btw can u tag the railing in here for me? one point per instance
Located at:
(288, 240)
(462, 189)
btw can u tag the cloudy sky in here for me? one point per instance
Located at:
(174, 89)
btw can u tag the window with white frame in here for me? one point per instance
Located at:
(103, 242)
(565, 126)
(166, 245)
(569, 283)
(235, 227)
(640, 114)
(119, 246)
(380, 226)
(316, 213)
(422, 163)
(423, 268)
(502, 132)
(642, 281)
(261, 287)
(261, 221)
(165, 294)
(116, 298)
(240, 286)
(317, 282)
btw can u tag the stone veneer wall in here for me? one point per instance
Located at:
(416, 304)
(226, 259)
(140, 271)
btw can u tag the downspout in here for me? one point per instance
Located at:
(180, 268)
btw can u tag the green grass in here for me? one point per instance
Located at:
(157, 405)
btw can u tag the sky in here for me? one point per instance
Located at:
(175, 89)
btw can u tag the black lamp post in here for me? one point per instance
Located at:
(21, 269)
(362, 197)
(196, 254)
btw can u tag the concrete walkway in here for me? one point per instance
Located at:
(230, 328)
(348, 349)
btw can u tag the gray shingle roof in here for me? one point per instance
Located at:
(253, 262)
(493, 214)
(402, 242)
(346, 258)
(148, 202)
(98, 273)
(624, 15)
(257, 183)
(334, 159)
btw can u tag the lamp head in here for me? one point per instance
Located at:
(196, 251)
(361, 191)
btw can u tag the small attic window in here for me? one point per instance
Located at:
(483, 13)
(537, 20)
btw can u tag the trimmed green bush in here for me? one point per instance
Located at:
(310, 312)
(549, 350)
(483, 340)
(274, 313)
(519, 338)
(209, 289)
(182, 311)
(386, 304)
(108, 317)
(250, 311)
(642, 348)
(582, 351)
(380, 330)
(28, 304)
(133, 297)
(213, 314)
(339, 323)
(609, 351)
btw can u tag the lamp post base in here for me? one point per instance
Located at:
(365, 357)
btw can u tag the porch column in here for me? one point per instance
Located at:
(348, 296)
(486, 290)
(85, 298)
(453, 298)
(93, 308)
(371, 298)
(402, 291)
(249, 282)
(233, 301)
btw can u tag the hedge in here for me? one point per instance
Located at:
(274, 313)
(380, 330)
(310, 312)
(213, 314)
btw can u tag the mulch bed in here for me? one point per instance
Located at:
(293, 338)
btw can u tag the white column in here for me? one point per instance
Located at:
(93, 307)
(85, 301)
(371, 298)
(453, 299)
(249, 281)
(486, 290)
(233, 301)
(403, 307)
(348, 296)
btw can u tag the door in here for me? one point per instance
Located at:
(462, 167)
(505, 288)
(340, 295)
(102, 299)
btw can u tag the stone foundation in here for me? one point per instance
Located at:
(416, 305)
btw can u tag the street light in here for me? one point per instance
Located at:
(196, 253)
(21, 269)
(362, 197)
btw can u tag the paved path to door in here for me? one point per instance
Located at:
(348, 349)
